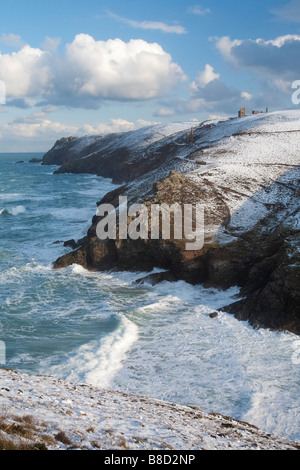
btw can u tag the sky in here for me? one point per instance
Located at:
(94, 67)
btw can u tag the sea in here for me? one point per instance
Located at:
(102, 328)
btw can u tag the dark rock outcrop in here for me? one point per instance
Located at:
(157, 278)
(213, 314)
(71, 244)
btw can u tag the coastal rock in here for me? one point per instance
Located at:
(213, 314)
(72, 244)
(157, 278)
(250, 190)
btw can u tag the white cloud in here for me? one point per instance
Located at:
(164, 112)
(25, 72)
(209, 94)
(114, 125)
(281, 40)
(91, 71)
(198, 10)
(153, 25)
(205, 77)
(246, 96)
(113, 69)
(35, 126)
(13, 40)
(225, 45)
(276, 56)
(273, 62)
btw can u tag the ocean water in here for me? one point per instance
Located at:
(103, 329)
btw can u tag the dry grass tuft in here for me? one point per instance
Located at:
(18, 433)
(63, 438)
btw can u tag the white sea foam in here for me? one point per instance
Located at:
(97, 362)
(17, 210)
(19, 272)
(109, 358)
(13, 210)
(10, 195)
(219, 364)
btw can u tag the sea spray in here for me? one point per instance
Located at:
(13, 210)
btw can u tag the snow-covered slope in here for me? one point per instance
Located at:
(255, 167)
(96, 147)
(45, 412)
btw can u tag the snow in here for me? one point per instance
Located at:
(253, 162)
(132, 140)
(92, 417)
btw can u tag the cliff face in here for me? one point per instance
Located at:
(121, 157)
(246, 174)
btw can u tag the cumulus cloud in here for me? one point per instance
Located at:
(36, 125)
(277, 57)
(153, 25)
(13, 40)
(113, 69)
(225, 46)
(90, 71)
(274, 64)
(205, 77)
(209, 94)
(26, 73)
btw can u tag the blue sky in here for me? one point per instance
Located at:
(77, 68)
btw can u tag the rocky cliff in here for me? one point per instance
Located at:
(246, 174)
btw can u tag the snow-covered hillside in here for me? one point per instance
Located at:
(96, 147)
(246, 173)
(46, 413)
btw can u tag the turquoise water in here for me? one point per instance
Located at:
(100, 328)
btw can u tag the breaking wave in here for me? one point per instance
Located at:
(13, 210)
